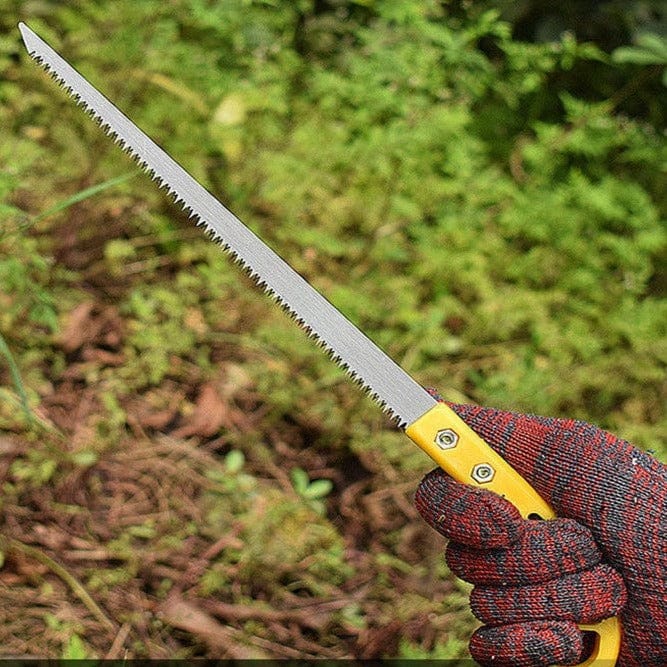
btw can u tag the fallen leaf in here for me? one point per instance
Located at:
(77, 328)
(94, 325)
(207, 417)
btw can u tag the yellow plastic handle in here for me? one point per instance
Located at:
(463, 455)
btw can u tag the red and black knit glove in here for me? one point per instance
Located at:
(606, 554)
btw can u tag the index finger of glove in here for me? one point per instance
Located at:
(466, 514)
(546, 550)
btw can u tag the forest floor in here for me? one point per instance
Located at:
(117, 554)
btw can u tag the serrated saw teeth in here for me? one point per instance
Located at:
(396, 392)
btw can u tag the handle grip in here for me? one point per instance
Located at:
(463, 455)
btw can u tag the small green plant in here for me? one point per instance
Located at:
(75, 649)
(36, 467)
(234, 461)
(313, 492)
(231, 478)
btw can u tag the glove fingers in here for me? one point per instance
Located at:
(585, 597)
(546, 550)
(465, 514)
(532, 644)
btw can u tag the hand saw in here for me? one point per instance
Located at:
(432, 425)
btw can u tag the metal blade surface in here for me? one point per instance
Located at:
(364, 361)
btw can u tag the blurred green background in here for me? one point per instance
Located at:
(479, 185)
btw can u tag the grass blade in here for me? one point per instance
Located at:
(77, 197)
(16, 379)
(84, 194)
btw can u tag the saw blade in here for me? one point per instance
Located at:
(398, 393)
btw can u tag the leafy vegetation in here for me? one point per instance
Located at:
(474, 184)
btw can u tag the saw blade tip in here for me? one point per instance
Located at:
(30, 39)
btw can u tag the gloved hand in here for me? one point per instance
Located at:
(535, 580)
